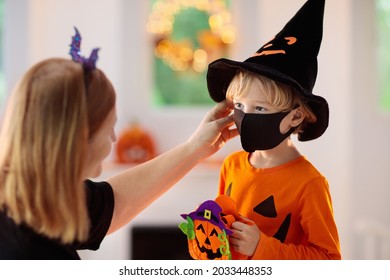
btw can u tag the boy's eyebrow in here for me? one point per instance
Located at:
(254, 101)
(257, 101)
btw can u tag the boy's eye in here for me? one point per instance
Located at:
(238, 105)
(260, 109)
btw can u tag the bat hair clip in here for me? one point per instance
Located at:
(89, 64)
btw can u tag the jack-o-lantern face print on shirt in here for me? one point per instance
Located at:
(267, 209)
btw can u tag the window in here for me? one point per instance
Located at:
(187, 36)
(383, 23)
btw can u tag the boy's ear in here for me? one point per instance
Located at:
(297, 117)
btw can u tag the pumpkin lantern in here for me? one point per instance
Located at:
(134, 145)
(206, 233)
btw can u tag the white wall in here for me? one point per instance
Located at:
(370, 184)
(353, 152)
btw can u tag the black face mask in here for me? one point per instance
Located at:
(260, 131)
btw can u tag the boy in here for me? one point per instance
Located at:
(285, 200)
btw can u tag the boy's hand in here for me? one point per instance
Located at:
(245, 237)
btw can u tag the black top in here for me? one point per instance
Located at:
(19, 242)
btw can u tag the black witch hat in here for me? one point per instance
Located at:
(289, 58)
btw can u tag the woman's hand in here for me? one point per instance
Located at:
(214, 131)
(245, 237)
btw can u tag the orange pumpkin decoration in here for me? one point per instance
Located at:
(134, 145)
(206, 233)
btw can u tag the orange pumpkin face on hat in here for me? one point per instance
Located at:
(290, 58)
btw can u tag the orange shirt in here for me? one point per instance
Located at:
(290, 204)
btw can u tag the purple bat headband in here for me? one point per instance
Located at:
(89, 64)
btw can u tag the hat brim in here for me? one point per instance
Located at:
(222, 71)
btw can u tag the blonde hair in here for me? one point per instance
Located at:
(53, 112)
(277, 94)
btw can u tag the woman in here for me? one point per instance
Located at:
(58, 128)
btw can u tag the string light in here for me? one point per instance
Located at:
(181, 55)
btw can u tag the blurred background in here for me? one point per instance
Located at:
(156, 52)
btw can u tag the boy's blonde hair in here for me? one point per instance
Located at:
(53, 112)
(277, 94)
